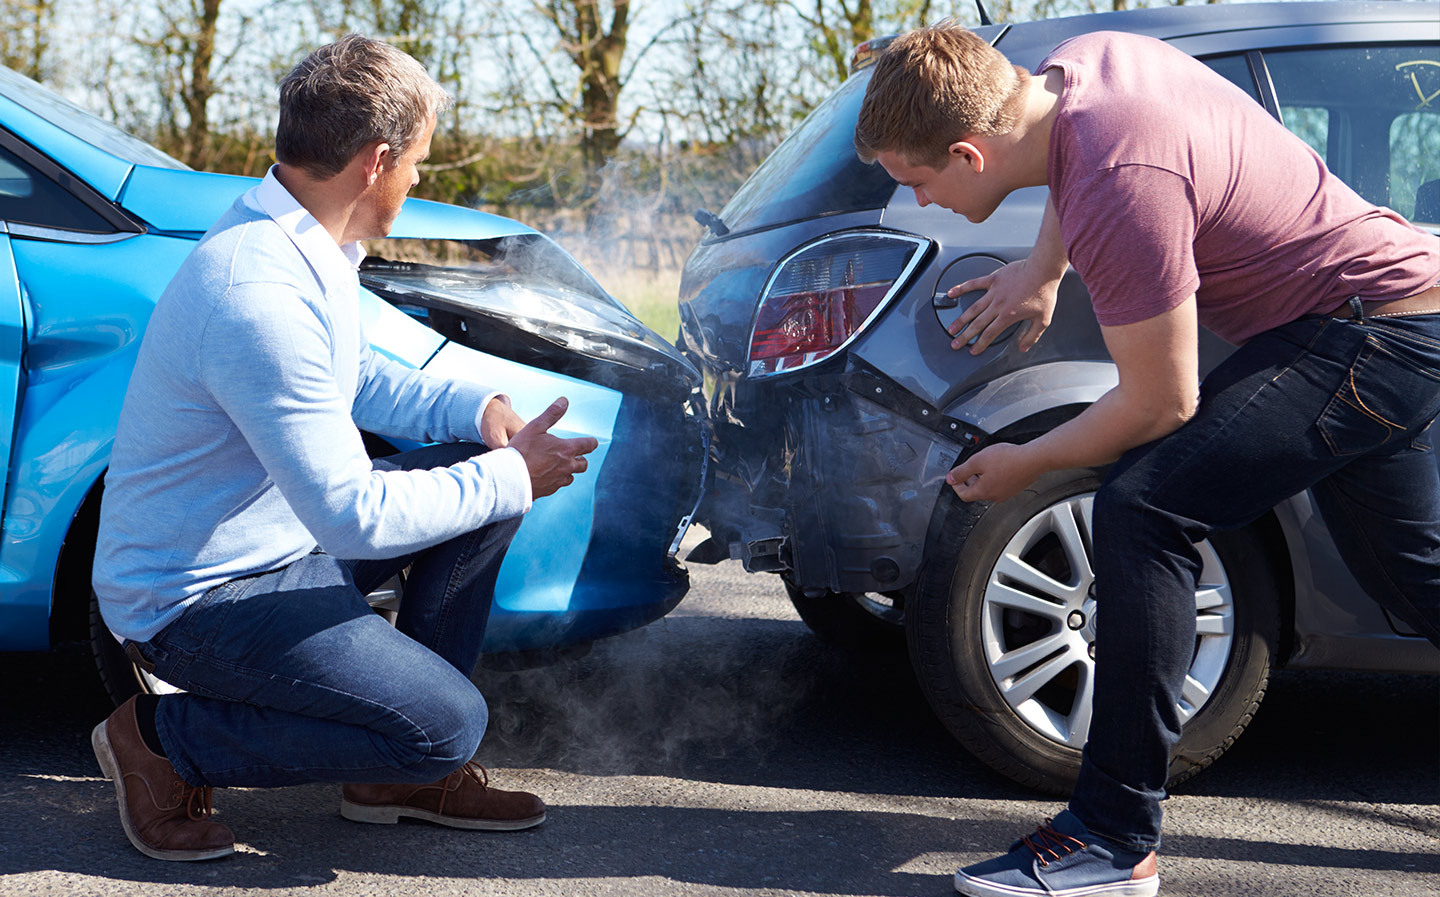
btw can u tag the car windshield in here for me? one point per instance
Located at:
(90, 128)
(815, 170)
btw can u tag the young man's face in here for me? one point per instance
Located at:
(394, 182)
(956, 186)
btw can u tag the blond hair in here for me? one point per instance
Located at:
(347, 95)
(932, 87)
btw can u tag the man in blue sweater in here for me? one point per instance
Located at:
(243, 521)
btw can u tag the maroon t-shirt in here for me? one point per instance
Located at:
(1169, 180)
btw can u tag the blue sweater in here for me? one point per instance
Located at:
(237, 449)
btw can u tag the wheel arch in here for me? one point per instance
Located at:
(1043, 399)
(70, 590)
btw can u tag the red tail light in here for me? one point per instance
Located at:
(821, 296)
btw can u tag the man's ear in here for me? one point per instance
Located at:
(376, 157)
(967, 152)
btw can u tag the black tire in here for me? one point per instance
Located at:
(961, 620)
(122, 680)
(852, 621)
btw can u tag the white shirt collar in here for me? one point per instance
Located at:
(309, 236)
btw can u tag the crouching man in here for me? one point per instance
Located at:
(243, 522)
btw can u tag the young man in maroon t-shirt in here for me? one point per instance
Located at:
(1181, 203)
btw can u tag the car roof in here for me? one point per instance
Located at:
(1176, 22)
(164, 193)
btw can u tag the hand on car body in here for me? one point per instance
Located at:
(1023, 291)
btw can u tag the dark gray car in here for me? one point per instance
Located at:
(816, 310)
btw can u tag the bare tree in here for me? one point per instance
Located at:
(596, 47)
(25, 36)
(838, 26)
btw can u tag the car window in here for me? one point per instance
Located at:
(1235, 70)
(1373, 115)
(29, 197)
(815, 170)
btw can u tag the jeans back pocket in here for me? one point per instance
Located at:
(1383, 396)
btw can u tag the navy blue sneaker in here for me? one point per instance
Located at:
(1062, 859)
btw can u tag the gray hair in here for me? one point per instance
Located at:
(347, 95)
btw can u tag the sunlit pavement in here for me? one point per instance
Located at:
(725, 751)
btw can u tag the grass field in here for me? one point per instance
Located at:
(650, 295)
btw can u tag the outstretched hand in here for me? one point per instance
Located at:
(1016, 293)
(553, 462)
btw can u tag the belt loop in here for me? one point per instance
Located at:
(1357, 310)
(137, 656)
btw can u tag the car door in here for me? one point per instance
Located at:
(14, 187)
(1370, 107)
(40, 204)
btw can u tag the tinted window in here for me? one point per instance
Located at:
(28, 197)
(1373, 115)
(1235, 70)
(815, 171)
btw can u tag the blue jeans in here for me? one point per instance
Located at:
(1341, 407)
(290, 677)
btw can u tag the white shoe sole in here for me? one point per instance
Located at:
(105, 756)
(1140, 887)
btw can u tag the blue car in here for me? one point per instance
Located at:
(93, 223)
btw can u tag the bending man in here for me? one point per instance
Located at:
(1181, 203)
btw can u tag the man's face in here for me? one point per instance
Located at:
(394, 182)
(955, 186)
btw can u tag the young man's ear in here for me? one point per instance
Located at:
(969, 153)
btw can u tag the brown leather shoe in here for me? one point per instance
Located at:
(463, 799)
(163, 816)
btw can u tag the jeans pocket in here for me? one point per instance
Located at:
(202, 619)
(1382, 397)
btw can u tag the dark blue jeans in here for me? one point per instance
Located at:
(1341, 407)
(290, 677)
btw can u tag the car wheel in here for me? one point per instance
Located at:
(868, 622)
(121, 678)
(1002, 623)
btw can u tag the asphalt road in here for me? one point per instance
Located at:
(725, 751)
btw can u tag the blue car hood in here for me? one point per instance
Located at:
(176, 201)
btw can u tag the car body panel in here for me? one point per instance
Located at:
(77, 365)
(104, 172)
(191, 201)
(771, 494)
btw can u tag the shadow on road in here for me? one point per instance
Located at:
(706, 701)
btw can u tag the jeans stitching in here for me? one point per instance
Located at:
(1422, 370)
(1397, 332)
(452, 585)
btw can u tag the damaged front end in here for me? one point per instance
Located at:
(600, 556)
